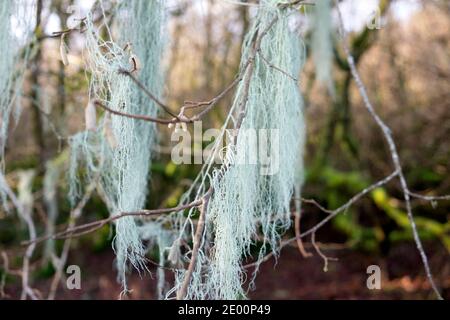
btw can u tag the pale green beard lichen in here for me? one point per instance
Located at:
(246, 201)
(13, 62)
(14, 56)
(123, 166)
(322, 43)
(155, 235)
(6, 68)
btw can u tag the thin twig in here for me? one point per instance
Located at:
(332, 214)
(246, 71)
(428, 198)
(271, 65)
(301, 247)
(26, 290)
(320, 253)
(181, 293)
(61, 261)
(139, 117)
(147, 92)
(284, 5)
(211, 103)
(318, 205)
(58, 34)
(95, 225)
(180, 118)
(348, 204)
(187, 104)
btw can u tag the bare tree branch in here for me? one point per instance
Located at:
(428, 198)
(393, 151)
(147, 92)
(301, 247)
(95, 225)
(332, 214)
(320, 253)
(61, 261)
(181, 293)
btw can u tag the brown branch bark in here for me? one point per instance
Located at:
(181, 293)
(95, 225)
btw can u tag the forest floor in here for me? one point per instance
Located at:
(292, 277)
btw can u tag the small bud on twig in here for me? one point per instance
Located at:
(135, 63)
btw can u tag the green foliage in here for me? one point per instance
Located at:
(118, 151)
(339, 186)
(428, 227)
(101, 239)
(45, 272)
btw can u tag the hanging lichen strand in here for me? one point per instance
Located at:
(322, 46)
(11, 68)
(6, 74)
(118, 151)
(11, 71)
(141, 27)
(249, 198)
(6, 68)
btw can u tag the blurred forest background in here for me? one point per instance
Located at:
(405, 65)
